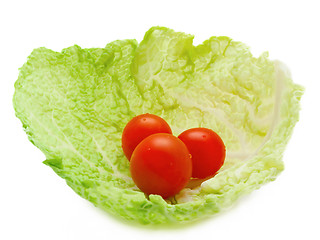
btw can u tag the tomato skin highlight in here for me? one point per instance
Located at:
(140, 127)
(161, 164)
(207, 150)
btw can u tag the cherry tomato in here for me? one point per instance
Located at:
(161, 164)
(207, 150)
(140, 127)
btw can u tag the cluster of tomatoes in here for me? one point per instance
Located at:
(163, 164)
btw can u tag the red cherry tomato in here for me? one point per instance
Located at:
(161, 164)
(207, 150)
(140, 127)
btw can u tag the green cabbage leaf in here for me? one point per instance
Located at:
(74, 105)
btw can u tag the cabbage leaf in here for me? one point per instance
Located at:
(74, 105)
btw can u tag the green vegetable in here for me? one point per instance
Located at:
(74, 105)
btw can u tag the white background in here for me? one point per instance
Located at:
(36, 204)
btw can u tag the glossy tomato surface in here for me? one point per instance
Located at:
(140, 127)
(161, 164)
(207, 150)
